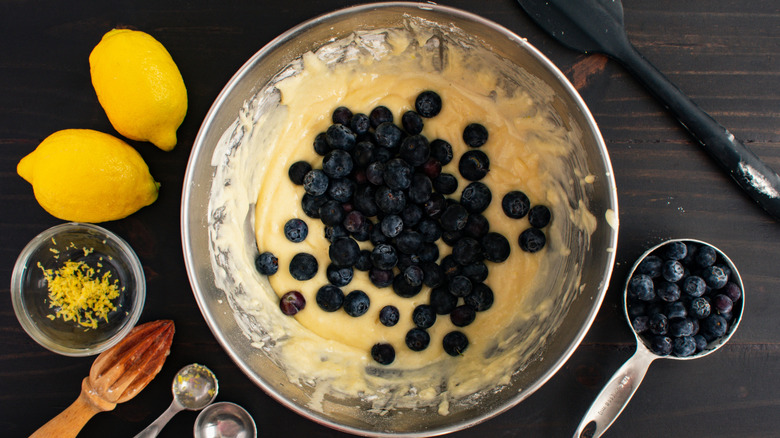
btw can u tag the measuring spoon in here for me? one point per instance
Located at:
(194, 387)
(621, 387)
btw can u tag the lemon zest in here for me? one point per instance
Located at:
(80, 294)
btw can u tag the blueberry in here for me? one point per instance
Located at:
(722, 304)
(636, 308)
(495, 247)
(375, 173)
(421, 188)
(450, 267)
(337, 164)
(676, 310)
(475, 135)
(412, 215)
(659, 324)
(641, 287)
(726, 270)
(463, 316)
(474, 165)
(701, 342)
(694, 286)
(516, 204)
(321, 145)
(476, 272)
(380, 277)
(700, 308)
(315, 182)
(539, 216)
(413, 275)
(408, 242)
(476, 197)
(334, 232)
(640, 323)
(467, 251)
(363, 262)
(532, 240)
(291, 303)
(732, 291)
(390, 201)
(651, 266)
(431, 168)
(377, 236)
(391, 225)
(332, 213)
(433, 276)
(442, 301)
(311, 205)
(339, 275)
(397, 174)
(668, 292)
(480, 298)
(460, 286)
(389, 316)
(412, 123)
(661, 345)
(341, 189)
(330, 298)
(296, 230)
(388, 136)
(445, 184)
(441, 150)
(423, 316)
(365, 200)
(417, 339)
(430, 230)
(435, 206)
(341, 137)
(451, 237)
(344, 251)
(383, 154)
(298, 171)
(672, 271)
(428, 104)
(364, 154)
(428, 252)
(354, 222)
(384, 354)
(455, 343)
(379, 115)
(714, 326)
(477, 226)
(360, 124)
(384, 257)
(342, 115)
(706, 256)
(715, 277)
(454, 217)
(681, 327)
(675, 250)
(266, 263)
(356, 303)
(415, 150)
(303, 266)
(683, 346)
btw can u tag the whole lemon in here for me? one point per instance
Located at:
(139, 86)
(87, 176)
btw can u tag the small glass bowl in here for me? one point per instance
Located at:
(101, 250)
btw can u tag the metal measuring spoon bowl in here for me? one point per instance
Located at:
(224, 420)
(194, 387)
(623, 384)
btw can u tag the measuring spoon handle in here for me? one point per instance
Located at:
(754, 176)
(615, 395)
(154, 429)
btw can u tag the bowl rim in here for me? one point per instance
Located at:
(29, 325)
(199, 146)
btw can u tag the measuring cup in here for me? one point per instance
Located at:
(621, 387)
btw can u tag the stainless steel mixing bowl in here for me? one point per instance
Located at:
(579, 283)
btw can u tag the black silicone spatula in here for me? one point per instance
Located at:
(597, 26)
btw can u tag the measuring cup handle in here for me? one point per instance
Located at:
(615, 395)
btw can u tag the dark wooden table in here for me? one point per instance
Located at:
(725, 54)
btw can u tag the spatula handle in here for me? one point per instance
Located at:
(754, 176)
(69, 422)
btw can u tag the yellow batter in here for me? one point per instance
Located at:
(331, 351)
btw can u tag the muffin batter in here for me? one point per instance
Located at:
(331, 351)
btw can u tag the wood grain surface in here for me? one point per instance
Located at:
(725, 54)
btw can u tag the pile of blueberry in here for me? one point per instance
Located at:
(681, 297)
(383, 183)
